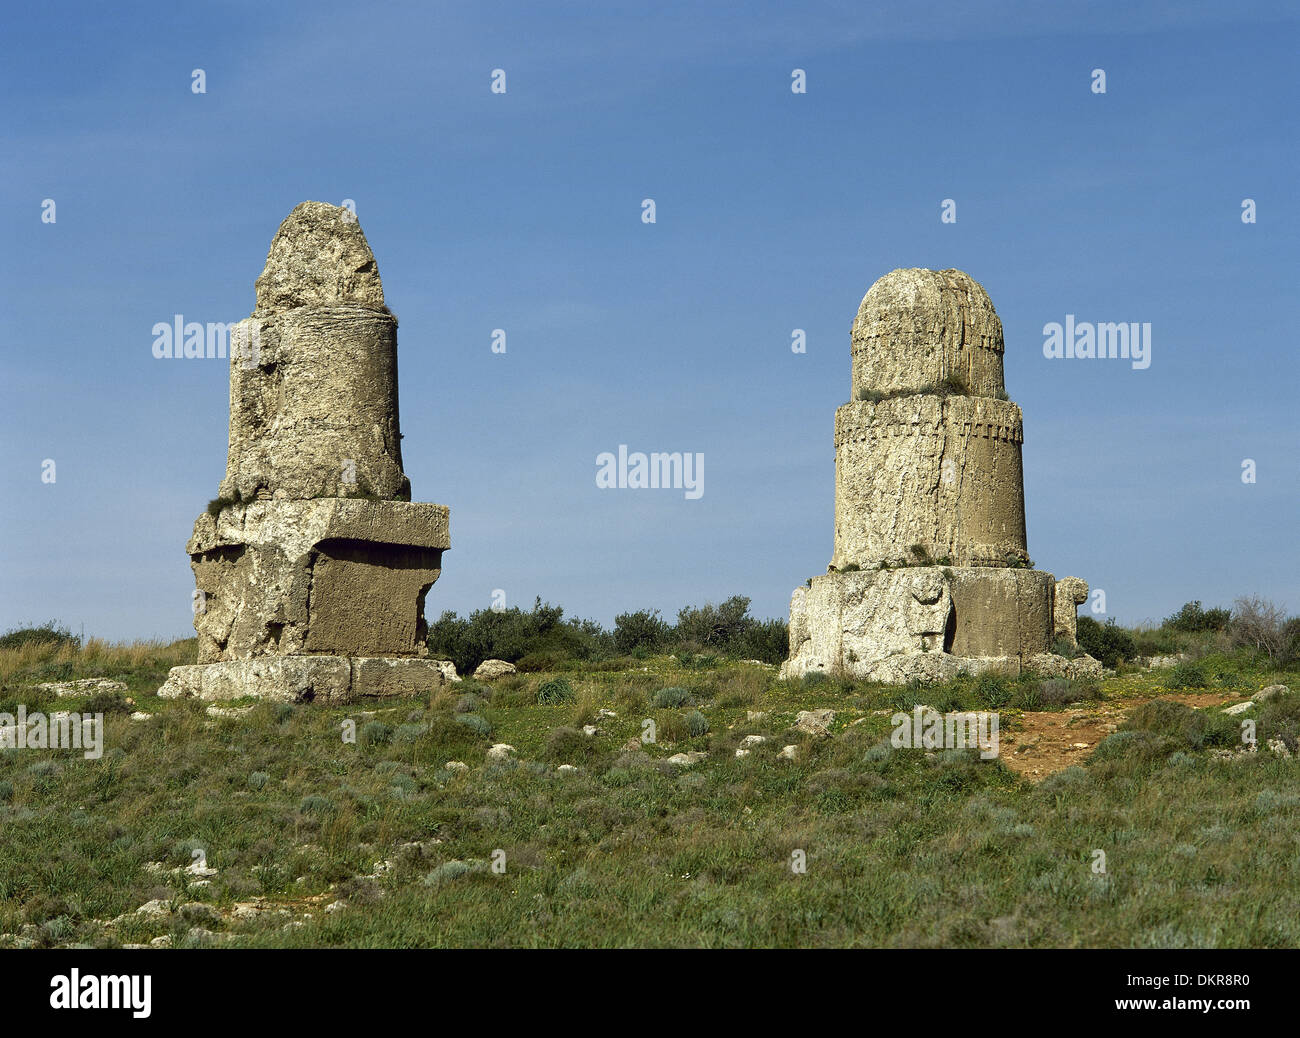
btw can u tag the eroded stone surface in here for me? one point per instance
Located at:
(930, 574)
(1070, 593)
(312, 549)
(916, 327)
(305, 679)
(331, 575)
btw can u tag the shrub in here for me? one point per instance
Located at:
(538, 662)
(315, 805)
(992, 691)
(765, 640)
(672, 698)
(511, 634)
(46, 634)
(374, 733)
(640, 630)
(1188, 674)
(567, 745)
(1279, 718)
(1190, 729)
(1062, 691)
(1259, 624)
(716, 627)
(408, 733)
(1191, 617)
(476, 723)
(557, 690)
(218, 503)
(697, 724)
(1109, 643)
(468, 703)
(105, 703)
(258, 779)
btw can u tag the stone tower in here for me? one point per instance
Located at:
(930, 572)
(312, 564)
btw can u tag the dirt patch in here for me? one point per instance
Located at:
(1047, 741)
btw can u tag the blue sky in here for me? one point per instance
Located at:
(775, 211)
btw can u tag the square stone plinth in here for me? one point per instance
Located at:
(330, 576)
(920, 622)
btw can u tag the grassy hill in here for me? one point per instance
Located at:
(256, 824)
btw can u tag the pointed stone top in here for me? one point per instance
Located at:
(319, 257)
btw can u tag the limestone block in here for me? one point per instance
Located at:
(332, 575)
(916, 327)
(490, 670)
(385, 676)
(925, 622)
(942, 473)
(319, 257)
(299, 679)
(1070, 593)
(1001, 612)
(285, 678)
(313, 412)
(846, 622)
(1049, 665)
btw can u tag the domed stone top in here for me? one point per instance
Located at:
(319, 257)
(918, 328)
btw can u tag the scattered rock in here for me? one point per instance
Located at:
(229, 711)
(1272, 692)
(82, 687)
(589, 730)
(1239, 708)
(140, 715)
(456, 765)
(755, 715)
(490, 670)
(685, 760)
(566, 769)
(603, 713)
(814, 722)
(165, 941)
(750, 741)
(500, 752)
(156, 909)
(790, 752)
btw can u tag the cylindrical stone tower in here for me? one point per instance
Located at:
(927, 453)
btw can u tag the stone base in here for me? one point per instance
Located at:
(330, 577)
(925, 622)
(301, 679)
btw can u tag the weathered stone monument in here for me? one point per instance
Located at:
(931, 572)
(312, 565)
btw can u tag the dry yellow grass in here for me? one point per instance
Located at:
(95, 654)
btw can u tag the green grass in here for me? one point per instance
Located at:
(903, 848)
